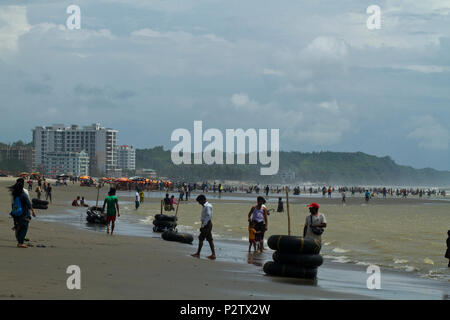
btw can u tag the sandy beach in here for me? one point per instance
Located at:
(146, 267)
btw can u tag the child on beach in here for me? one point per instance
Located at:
(38, 192)
(280, 205)
(252, 236)
(447, 253)
(112, 204)
(258, 215)
(172, 203)
(75, 202)
(82, 203)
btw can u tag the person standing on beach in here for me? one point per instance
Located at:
(206, 228)
(38, 192)
(48, 192)
(166, 202)
(172, 203)
(258, 214)
(252, 236)
(367, 195)
(314, 224)
(137, 199)
(20, 212)
(187, 191)
(447, 253)
(141, 196)
(280, 205)
(112, 208)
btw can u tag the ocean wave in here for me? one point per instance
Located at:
(147, 220)
(428, 261)
(338, 259)
(340, 250)
(410, 269)
(400, 261)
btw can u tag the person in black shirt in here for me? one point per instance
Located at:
(21, 222)
(167, 203)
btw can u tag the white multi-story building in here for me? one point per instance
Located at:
(98, 142)
(72, 163)
(126, 158)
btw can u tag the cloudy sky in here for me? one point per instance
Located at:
(310, 68)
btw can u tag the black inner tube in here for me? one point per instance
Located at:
(286, 270)
(292, 244)
(299, 260)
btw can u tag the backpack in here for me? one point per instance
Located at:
(17, 208)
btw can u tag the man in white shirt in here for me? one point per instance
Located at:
(314, 224)
(206, 228)
(137, 199)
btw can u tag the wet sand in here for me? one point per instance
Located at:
(122, 267)
(133, 267)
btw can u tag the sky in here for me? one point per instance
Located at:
(311, 69)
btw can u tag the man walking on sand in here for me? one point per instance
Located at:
(314, 224)
(206, 228)
(112, 204)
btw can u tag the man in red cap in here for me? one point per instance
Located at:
(315, 223)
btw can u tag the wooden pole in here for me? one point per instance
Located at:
(98, 192)
(161, 206)
(178, 204)
(287, 208)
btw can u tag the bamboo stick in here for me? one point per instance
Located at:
(287, 208)
(178, 204)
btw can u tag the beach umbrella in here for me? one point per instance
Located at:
(23, 174)
(123, 179)
(85, 178)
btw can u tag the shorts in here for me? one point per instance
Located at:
(206, 232)
(110, 219)
(261, 227)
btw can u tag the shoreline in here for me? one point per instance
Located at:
(135, 266)
(146, 267)
(234, 245)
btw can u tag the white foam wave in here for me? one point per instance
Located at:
(147, 220)
(400, 261)
(340, 250)
(410, 269)
(341, 259)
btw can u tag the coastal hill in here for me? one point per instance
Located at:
(317, 167)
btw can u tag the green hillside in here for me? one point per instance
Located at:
(323, 167)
